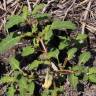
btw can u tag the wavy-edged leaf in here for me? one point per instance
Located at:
(7, 79)
(73, 80)
(78, 69)
(34, 28)
(25, 12)
(53, 53)
(63, 44)
(92, 78)
(92, 70)
(23, 86)
(43, 56)
(57, 90)
(84, 57)
(38, 8)
(34, 64)
(14, 20)
(8, 42)
(57, 24)
(81, 37)
(27, 51)
(11, 91)
(31, 87)
(47, 32)
(71, 53)
(14, 63)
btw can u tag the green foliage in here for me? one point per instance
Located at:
(64, 43)
(47, 33)
(91, 74)
(92, 78)
(34, 64)
(17, 19)
(25, 12)
(54, 92)
(84, 57)
(57, 90)
(71, 53)
(73, 80)
(11, 91)
(27, 51)
(81, 37)
(31, 87)
(57, 24)
(14, 63)
(7, 79)
(78, 69)
(92, 70)
(8, 42)
(24, 76)
(23, 86)
(41, 16)
(53, 53)
(14, 20)
(34, 28)
(38, 8)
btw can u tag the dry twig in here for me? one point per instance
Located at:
(37, 2)
(68, 9)
(85, 16)
(29, 7)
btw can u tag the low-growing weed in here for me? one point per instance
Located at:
(22, 80)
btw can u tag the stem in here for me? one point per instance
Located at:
(43, 45)
(29, 7)
(85, 18)
(65, 62)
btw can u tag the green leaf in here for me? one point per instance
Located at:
(81, 37)
(27, 51)
(14, 63)
(53, 53)
(57, 90)
(34, 28)
(85, 77)
(23, 86)
(14, 20)
(7, 79)
(43, 56)
(41, 16)
(35, 43)
(11, 91)
(29, 34)
(71, 53)
(84, 57)
(38, 8)
(34, 64)
(64, 42)
(63, 45)
(92, 70)
(73, 80)
(57, 24)
(47, 32)
(78, 69)
(25, 12)
(54, 92)
(31, 87)
(46, 92)
(92, 78)
(8, 42)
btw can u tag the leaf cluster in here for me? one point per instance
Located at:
(41, 42)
